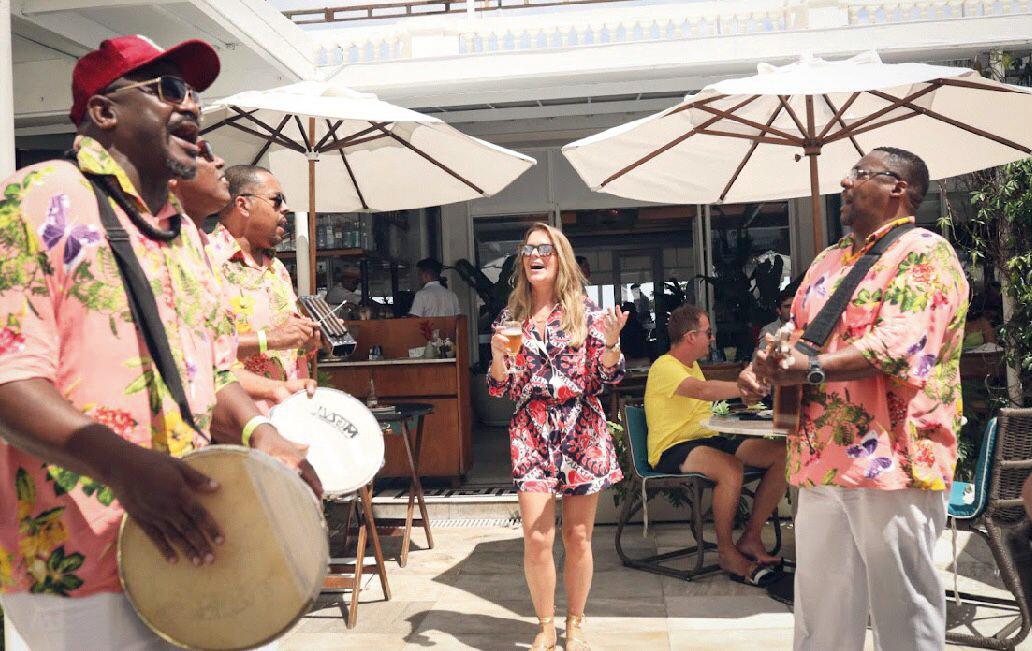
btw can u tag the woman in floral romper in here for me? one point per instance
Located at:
(559, 441)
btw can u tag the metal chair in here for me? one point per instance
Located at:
(1005, 527)
(646, 479)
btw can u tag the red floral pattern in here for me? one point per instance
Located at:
(558, 438)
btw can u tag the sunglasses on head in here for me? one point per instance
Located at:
(277, 200)
(543, 250)
(171, 90)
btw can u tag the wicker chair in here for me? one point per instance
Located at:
(1006, 529)
(646, 480)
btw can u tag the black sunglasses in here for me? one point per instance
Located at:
(171, 90)
(543, 250)
(277, 200)
(206, 150)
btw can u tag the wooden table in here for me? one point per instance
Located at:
(735, 425)
(398, 423)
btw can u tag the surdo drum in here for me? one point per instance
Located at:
(265, 576)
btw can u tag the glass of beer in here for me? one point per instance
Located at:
(513, 333)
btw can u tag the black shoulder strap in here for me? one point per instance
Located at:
(142, 304)
(820, 328)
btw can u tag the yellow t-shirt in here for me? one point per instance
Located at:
(673, 418)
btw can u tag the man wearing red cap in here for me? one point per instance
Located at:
(91, 429)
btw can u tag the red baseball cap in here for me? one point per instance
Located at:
(116, 57)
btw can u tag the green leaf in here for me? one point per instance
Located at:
(71, 562)
(24, 487)
(829, 477)
(70, 582)
(140, 383)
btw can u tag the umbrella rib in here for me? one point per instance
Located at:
(280, 139)
(792, 114)
(332, 132)
(748, 155)
(727, 115)
(288, 144)
(304, 134)
(838, 115)
(963, 83)
(895, 103)
(838, 118)
(876, 125)
(673, 143)
(268, 143)
(745, 136)
(698, 104)
(960, 125)
(341, 144)
(222, 123)
(427, 157)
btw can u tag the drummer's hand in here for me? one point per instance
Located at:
(268, 439)
(160, 493)
(287, 388)
(295, 332)
(750, 387)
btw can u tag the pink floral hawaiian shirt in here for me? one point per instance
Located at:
(259, 298)
(64, 317)
(898, 428)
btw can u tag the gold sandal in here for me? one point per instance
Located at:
(575, 640)
(539, 643)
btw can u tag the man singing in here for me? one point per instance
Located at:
(877, 441)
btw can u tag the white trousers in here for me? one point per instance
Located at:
(100, 622)
(104, 621)
(863, 552)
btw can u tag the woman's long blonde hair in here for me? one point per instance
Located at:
(569, 286)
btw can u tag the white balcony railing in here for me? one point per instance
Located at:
(500, 32)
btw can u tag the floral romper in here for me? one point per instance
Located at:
(559, 441)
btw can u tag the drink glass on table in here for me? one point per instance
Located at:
(513, 333)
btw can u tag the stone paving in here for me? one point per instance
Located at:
(468, 593)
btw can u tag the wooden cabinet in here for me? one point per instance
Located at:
(447, 443)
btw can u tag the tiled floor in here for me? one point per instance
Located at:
(468, 593)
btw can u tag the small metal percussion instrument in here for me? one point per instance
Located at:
(345, 441)
(342, 342)
(265, 576)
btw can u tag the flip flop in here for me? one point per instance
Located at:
(760, 576)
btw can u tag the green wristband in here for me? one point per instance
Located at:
(251, 426)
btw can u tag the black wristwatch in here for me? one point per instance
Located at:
(816, 374)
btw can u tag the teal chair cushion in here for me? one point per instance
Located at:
(968, 500)
(638, 438)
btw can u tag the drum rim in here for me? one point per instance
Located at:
(237, 450)
(383, 455)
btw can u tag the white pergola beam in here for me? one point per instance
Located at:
(6, 92)
(36, 7)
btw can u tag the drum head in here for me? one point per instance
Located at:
(346, 442)
(265, 576)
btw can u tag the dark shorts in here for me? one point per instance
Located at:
(672, 458)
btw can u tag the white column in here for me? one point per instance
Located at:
(6, 92)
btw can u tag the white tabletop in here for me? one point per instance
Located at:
(735, 425)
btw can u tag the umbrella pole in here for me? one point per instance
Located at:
(815, 205)
(812, 150)
(311, 213)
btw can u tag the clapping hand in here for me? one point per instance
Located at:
(613, 321)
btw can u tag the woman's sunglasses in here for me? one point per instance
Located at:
(171, 90)
(543, 250)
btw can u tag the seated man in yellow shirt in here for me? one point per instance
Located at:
(678, 399)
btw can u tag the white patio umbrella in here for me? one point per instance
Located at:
(743, 140)
(372, 155)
